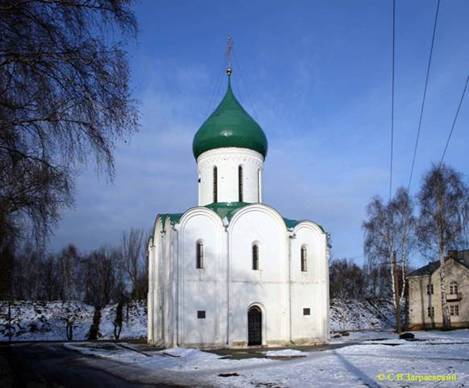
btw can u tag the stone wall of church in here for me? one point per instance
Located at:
(227, 162)
(201, 289)
(208, 306)
(266, 287)
(309, 288)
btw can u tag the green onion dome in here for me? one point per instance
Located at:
(229, 126)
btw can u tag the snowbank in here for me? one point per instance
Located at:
(352, 315)
(45, 321)
(285, 353)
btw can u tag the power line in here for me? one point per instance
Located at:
(392, 95)
(214, 93)
(424, 94)
(250, 101)
(454, 120)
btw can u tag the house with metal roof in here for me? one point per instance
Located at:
(425, 293)
(231, 271)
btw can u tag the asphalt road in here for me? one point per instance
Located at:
(52, 365)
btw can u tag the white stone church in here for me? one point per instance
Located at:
(231, 271)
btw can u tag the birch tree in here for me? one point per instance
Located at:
(134, 261)
(442, 222)
(389, 238)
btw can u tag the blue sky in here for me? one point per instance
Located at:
(315, 75)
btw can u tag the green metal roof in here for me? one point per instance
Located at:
(290, 223)
(229, 126)
(173, 218)
(226, 209)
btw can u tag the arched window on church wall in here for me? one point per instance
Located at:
(240, 183)
(255, 257)
(304, 258)
(199, 255)
(215, 184)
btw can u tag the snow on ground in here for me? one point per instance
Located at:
(175, 359)
(346, 315)
(45, 321)
(134, 324)
(380, 359)
(285, 353)
(358, 336)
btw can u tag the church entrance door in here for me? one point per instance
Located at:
(254, 326)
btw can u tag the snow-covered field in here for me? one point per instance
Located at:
(361, 359)
(45, 321)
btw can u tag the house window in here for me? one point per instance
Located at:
(255, 257)
(199, 255)
(201, 314)
(431, 312)
(304, 259)
(215, 184)
(454, 309)
(453, 287)
(429, 289)
(240, 183)
(307, 311)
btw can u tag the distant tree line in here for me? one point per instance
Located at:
(104, 275)
(347, 280)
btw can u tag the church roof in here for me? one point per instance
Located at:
(229, 126)
(228, 210)
(173, 218)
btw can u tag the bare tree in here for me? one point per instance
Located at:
(444, 203)
(68, 262)
(101, 277)
(64, 97)
(134, 261)
(377, 244)
(401, 209)
(50, 279)
(27, 273)
(118, 319)
(389, 238)
(7, 271)
(347, 280)
(378, 284)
